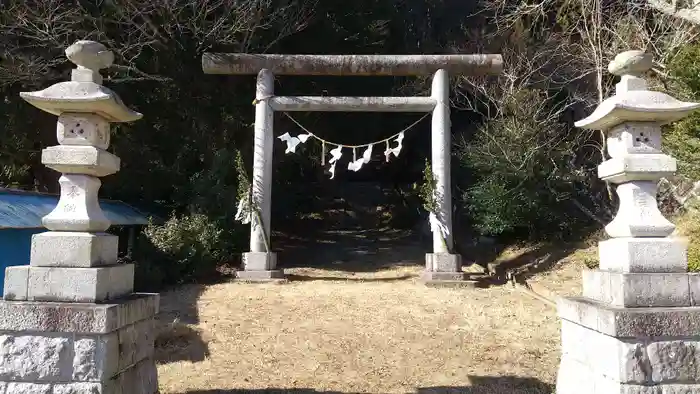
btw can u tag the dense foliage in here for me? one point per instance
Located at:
(683, 139)
(520, 170)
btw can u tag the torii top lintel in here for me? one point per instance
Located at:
(387, 65)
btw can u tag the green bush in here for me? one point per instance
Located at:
(525, 171)
(682, 139)
(189, 246)
(689, 227)
(183, 249)
(685, 69)
(694, 254)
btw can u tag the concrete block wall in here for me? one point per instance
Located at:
(86, 349)
(607, 349)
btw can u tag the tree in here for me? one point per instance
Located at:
(157, 46)
(556, 54)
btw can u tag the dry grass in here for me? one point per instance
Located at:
(555, 267)
(365, 325)
(564, 279)
(357, 333)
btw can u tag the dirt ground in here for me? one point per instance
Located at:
(338, 328)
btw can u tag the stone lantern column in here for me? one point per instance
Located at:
(69, 321)
(637, 327)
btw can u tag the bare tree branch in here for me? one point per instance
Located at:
(33, 34)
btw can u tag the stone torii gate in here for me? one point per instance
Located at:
(260, 264)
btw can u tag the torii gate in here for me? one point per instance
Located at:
(260, 263)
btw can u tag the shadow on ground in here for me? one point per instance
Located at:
(354, 227)
(480, 385)
(364, 227)
(178, 338)
(354, 250)
(495, 385)
(305, 278)
(540, 259)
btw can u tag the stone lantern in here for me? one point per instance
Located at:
(70, 320)
(637, 327)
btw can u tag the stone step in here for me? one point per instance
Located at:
(74, 249)
(78, 318)
(644, 255)
(642, 289)
(630, 322)
(96, 358)
(575, 377)
(61, 284)
(644, 361)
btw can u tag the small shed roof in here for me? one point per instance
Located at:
(22, 209)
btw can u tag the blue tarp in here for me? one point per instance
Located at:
(20, 218)
(24, 210)
(15, 247)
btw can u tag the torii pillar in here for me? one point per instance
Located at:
(442, 266)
